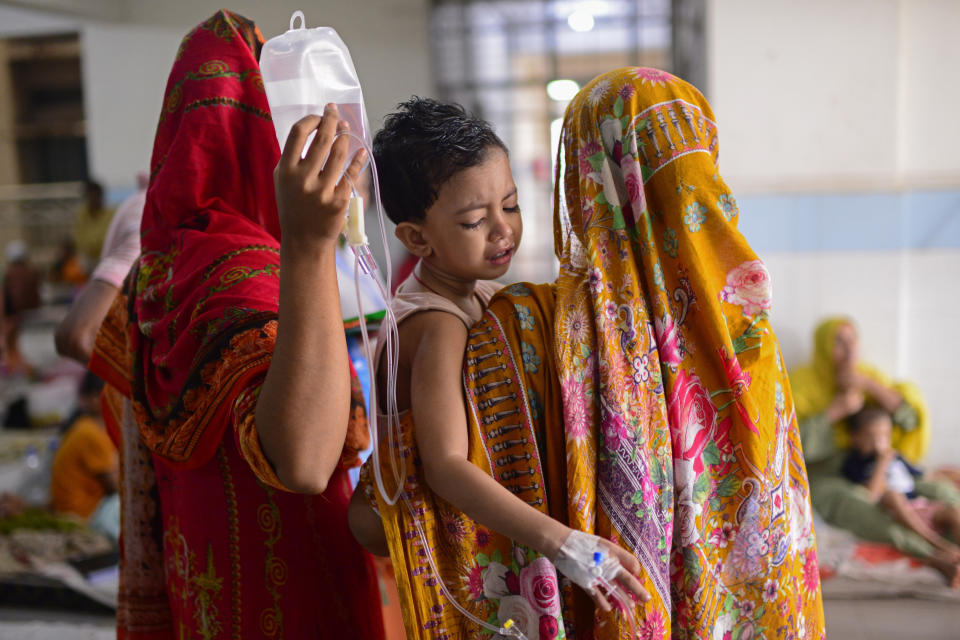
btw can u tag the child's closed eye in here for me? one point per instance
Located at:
(514, 209)
(472, 225)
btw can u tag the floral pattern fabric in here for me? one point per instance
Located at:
(687, 451)
(641, 397)
(511, 390)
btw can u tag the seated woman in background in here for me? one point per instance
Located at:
(834, 386)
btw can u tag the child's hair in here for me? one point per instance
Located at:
(420, 147)
(864, 417)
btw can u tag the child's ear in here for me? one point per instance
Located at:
(411, 235)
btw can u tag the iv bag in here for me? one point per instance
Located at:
(303, 70)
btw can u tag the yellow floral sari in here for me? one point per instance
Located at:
(653, 351)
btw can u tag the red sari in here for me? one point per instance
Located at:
(213, 546)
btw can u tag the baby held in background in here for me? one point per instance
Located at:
(446, 182)
(890, 479)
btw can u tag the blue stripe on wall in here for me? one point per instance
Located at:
(849, 222)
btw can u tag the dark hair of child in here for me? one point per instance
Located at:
(864, 417)
(420, 147)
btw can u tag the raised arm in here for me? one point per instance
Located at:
(303, 409)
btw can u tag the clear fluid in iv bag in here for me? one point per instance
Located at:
(284, 117)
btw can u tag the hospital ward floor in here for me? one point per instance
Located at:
(872, 619)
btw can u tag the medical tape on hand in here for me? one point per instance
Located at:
(578, 559)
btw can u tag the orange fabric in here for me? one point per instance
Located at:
(85, 453)
(357, 438)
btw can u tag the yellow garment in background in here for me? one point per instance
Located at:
(85, 453)
(89, 231)
(815, 385)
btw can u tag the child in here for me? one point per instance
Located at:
(446, 182)
(890, 479)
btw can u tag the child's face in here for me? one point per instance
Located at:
(474, 226)
(873, 438)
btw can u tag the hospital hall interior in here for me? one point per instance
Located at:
(828, 120)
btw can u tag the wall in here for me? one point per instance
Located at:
(835, 134)
(388, 39)
(129, 47)
(125, 70)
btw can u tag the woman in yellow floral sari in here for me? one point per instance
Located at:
(654, 352)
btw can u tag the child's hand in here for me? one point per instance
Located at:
(576, 560)
(845, 404)
(630, 568)
(311, 195)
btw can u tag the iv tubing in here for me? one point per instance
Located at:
(621, 602)
(391, 346)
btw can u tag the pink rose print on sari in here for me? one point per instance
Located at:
(749, 286)
(693, 419)
(693, 422)
(538, 584)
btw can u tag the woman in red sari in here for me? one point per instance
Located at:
(220, 416)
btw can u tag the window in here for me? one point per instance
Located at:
(45, 155)
(497, 57)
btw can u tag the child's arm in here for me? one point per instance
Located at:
(366, 525)
(440, 422)
(877, 484)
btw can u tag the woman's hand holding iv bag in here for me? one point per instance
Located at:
(313, 189)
